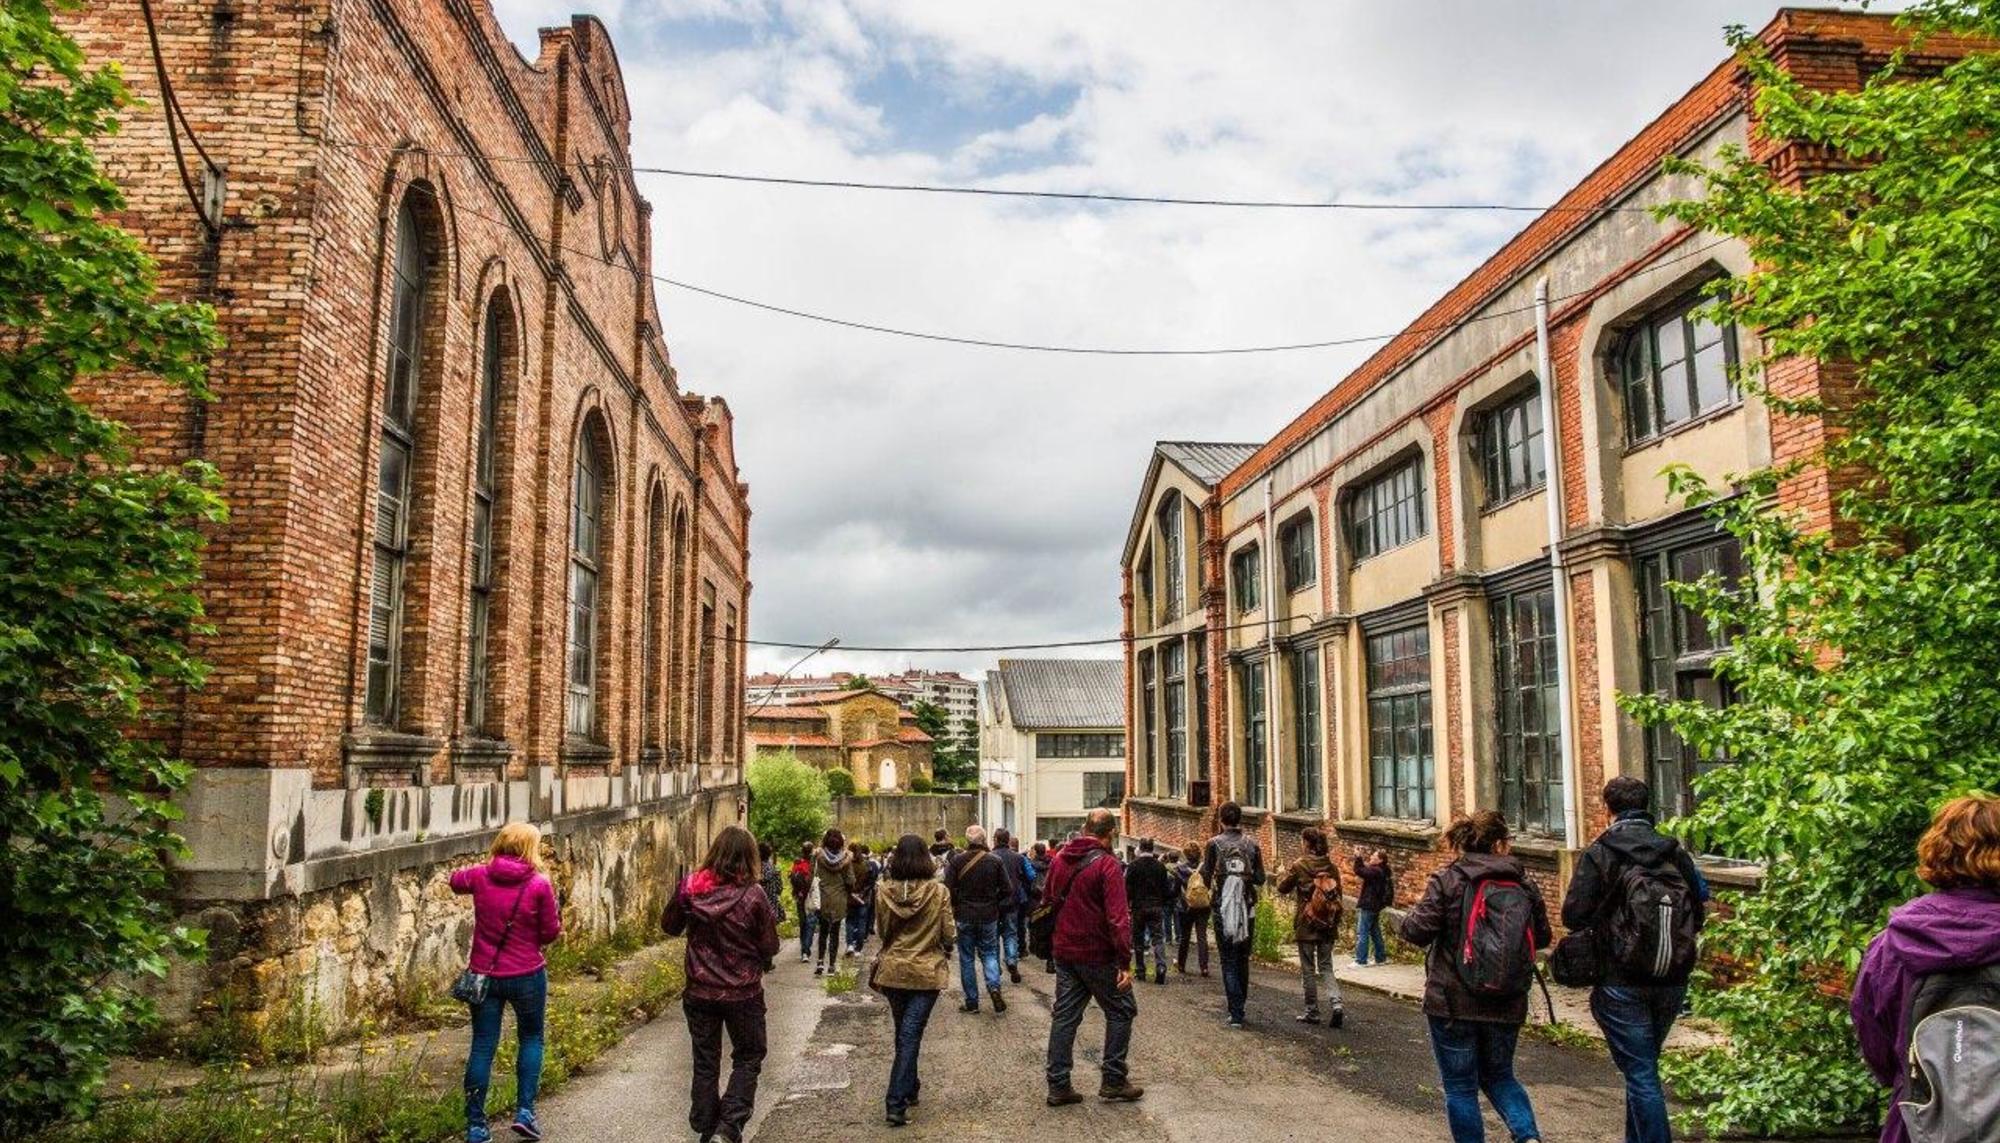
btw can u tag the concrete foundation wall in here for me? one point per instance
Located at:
(889, 817)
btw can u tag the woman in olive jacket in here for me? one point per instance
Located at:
(913, 918)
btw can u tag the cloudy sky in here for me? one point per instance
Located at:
(908, 493)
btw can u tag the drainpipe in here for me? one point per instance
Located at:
(1271, 751)
(1552, 460)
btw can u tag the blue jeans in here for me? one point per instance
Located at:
(530, 997)
(909, 1010)
(858, 923)
(1235, 958)
(1475, 1056)
(1636, 1020)
(1010, 936)
(1076, 986)
(1368, 930)
(979, 939)
(808, 921)
(1149, 928)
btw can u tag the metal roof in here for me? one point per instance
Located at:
(1207, 461)
(1064, 693)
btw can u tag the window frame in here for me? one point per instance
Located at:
(1113, 798)
(1173, 694)
(1386, 511)
(1256, 735)
(410, 274)
(1406, 703)
(1298, 551)
(1067, 744)
(1149, 692)
(1672, 668)
(582, 721)
(1499, 436)
(1519, 701)
(1306, 718)
(1170, 534)
(1246, 579)
(485, 517)
(1646, 416)
(1200, 674)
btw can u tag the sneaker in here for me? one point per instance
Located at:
(1233, 1024)
(1064, 1096)
(1307, 1017)
(1014, 973)
(969, 1006)
(898, 1117)
(1160, 975)
(1336, 1018)
(1123, 1091)
(999, 1004)
(819, 970)
(526, 1127)
(479, 1134)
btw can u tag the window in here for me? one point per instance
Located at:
(1680, 648)
(1079, 746)
(1103, 788)
(1245, 579)
(651, 656)
(1524, 647)
(1673, 368)
(1149, 698)
(1201, 707)
(1388, 511)
(1295, 547)
(1173, 668)
(394, 467)
(1305, 717)
(586, 562)
(1143, 605)
(1173, 589)
(1256, 737)
(1058, 830)
(1399, 724)
(485, 496)
(1510, 448)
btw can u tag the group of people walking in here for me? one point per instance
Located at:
(1634, 909)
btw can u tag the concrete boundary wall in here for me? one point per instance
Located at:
(890, 816)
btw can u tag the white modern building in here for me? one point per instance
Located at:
(1051, 744)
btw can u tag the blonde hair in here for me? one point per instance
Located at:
(519, 839)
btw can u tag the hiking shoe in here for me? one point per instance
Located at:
(1014, 973)
(1233, 1024)
(969, 1006)
(1307, 1017)
(1336, 1018)
(1064, 1096)
(898, 1117)
(479, 1134)
(526, 1127)
(999, 1004)
(1124, 1091)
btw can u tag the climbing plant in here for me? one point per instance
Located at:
(99, 560)
(1865, 661)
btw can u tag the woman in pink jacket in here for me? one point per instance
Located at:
(514, 915)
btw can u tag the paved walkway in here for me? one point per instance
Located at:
(1572, 1005)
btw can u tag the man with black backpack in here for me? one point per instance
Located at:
(1233, 867)
(1635, 908)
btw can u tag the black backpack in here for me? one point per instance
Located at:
(1496, 954)
(1951, 1092)
(1652, 929)
(1042, 921)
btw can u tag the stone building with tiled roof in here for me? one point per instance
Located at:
(866, 733)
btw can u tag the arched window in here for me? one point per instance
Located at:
(395, 465)
(652, 658)
(590, 503)
(1173, 587)
(681, 707)
(485, 510)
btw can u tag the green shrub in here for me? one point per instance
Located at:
(839, 784)
(921, 785)
(788, 801)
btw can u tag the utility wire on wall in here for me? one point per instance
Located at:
(207, 201)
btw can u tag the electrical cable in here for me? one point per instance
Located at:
(1005, 192)
(170, 107)
(1115, 640)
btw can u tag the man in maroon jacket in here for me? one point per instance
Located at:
(1093, 949)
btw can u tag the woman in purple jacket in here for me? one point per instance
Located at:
(1957, 927)
(514, 915)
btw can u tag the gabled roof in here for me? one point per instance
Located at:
(1207, 461)
(1067, 693)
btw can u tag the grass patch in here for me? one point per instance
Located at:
(1268, 940)
(1562, 1034)
(840, 983)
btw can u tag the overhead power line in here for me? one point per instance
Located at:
(1115, 640)
(1055, 195)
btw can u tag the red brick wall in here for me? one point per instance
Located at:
(325, 116)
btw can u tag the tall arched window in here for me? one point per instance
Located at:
(485, 509)
(590, 502)
(652, 660)
(680, 708)
(394, 467)
(1173, 585)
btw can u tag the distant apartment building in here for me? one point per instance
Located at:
(958, 695)
(1052, 745)
(866, 733)
(1376, 620)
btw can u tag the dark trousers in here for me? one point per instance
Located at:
(807, 919)
(826, 947)
(1235, 957)
(1475, 1056)
(1194, 923)
(860, 920)
(711, 1110)
(910, 1011)
(1076, 986)
(1636, 1020)
(1149, 930)
(529, 997)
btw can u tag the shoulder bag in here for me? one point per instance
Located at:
(471, 987)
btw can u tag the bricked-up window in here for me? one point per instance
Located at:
(1245, 579)
(1201, 708)
(396, 465)
(1148, 708)
(1079, 745)
(485, 507)
(589, 501)
(1295, 546)
(1173, 669)
(1524, 674)
(1679, 650)
(1173, 587)
(1256, 736)
(1103, 788)
(1388, 511)
(1673, 368)
(1399, 724)
(1305, 727)
(1510, 449)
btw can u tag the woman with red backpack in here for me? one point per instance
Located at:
(1483, 922)
(1314, 883)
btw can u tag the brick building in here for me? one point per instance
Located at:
(1360, 622)
(486, 558)
(867, 733)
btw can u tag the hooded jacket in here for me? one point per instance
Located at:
(496, 888)
(1148, 885)
(732, 934)
(1378, 886)
(980, 885)
(1298, 881)
(1094, 926)
(1436, 922)
(1631, 840)
(913, 918)
(839, 877)
(1949, 929)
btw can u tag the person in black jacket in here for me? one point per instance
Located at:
(1473, 1034)
(980, 886)
(1377, 892)
(1148, 890)
(1013, 913)
(1636, 1013)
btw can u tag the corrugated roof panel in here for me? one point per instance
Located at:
(1207, 461)
(1066, 693)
